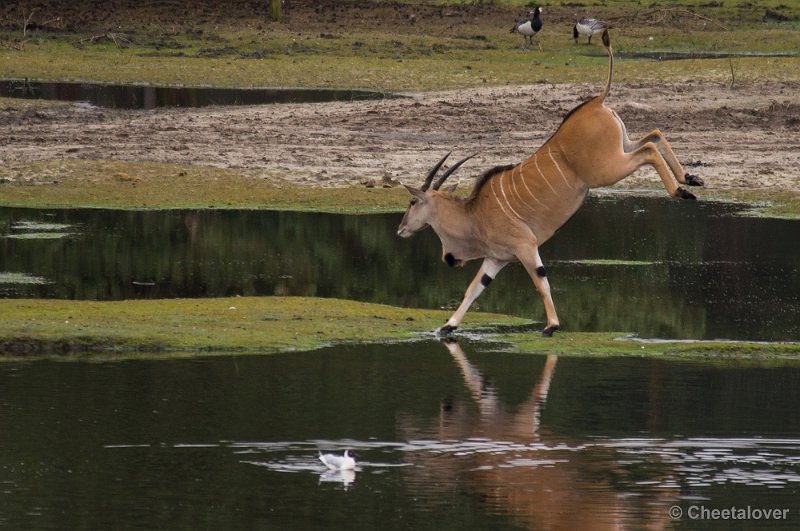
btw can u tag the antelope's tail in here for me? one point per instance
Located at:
(607, 44)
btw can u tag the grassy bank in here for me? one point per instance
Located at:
(415, 70)
(241, 324)
(620, 344)
(145, 185)
(426, 46)
(179, 327)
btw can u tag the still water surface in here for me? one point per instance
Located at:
(659, 268)
(148, 97)
(449, 436)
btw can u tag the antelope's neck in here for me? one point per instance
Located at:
(458, 231)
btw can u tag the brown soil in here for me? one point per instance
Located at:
(740, 137)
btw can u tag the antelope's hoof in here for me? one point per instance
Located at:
(548, 332)
(446, 330)
(684, 194)
(693, 180)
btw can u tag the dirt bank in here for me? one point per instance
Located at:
(742, 137)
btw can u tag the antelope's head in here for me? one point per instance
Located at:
(420, 210)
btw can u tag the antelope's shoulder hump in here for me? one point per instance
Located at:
(487, 175)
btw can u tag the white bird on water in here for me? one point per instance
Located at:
(338, 462)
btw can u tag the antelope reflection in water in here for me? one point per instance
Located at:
(541, 480)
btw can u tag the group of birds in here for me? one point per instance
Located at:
(530, 26)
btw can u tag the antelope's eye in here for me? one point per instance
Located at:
(412, 202)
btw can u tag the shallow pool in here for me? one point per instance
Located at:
(652, 266)
(448, 436)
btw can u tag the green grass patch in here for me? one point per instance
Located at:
(606, 344)
(473, 49)
(145, 185)
(180, 327)
(240, 324)
(782, 203)
(23, 104)
(402, 71)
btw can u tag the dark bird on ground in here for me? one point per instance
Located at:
(529, 27)
(588, 26)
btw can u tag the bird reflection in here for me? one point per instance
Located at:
(345, 477)
(340, 469)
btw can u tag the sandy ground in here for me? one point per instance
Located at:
(742, 137)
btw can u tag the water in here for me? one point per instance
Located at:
(147, 97)
(449, 436)
(674, 56)
(656, 267)
(454, 435)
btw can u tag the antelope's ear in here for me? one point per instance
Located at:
(416, 192)
(451, 188)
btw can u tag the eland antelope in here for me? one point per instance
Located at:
(514, 209)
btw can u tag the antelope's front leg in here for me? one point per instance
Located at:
(486, 274)
(533, 265)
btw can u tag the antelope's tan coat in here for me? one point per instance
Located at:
(514, 210)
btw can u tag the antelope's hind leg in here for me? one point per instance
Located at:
(486, 274)
(650, 154)
(658, 138)
(654, 149)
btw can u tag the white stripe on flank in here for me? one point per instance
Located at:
(550, 154)
(536, 163)
(516, 195)
(491, 185)
(522, 178)
(508, 203)
(515, 192)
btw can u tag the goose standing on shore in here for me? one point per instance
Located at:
(528, 27)
(588, 26)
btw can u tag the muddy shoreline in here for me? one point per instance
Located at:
(745, 137)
